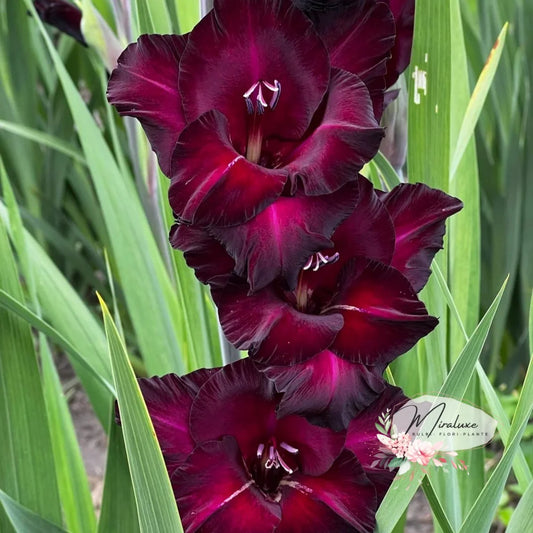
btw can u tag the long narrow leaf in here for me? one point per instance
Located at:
(72, 479)
(27, 471)
(45, 139)
(523, 514)
(119, 510)
(478, 99)
(153, 492)
(24, 520)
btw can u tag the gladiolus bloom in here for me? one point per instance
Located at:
(357, 298)
(235, 465)
(247, 108)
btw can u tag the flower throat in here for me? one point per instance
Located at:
(256, 105)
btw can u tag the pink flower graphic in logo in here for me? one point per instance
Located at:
(422, 452)
(399, 450)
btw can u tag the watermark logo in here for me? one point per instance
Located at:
(428, 432)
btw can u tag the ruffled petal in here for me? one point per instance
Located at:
(341, 500)
(404, 17)
(211, 264)
(168, 400)
(326, 389)
(367, 232)
(419, 215)
(240, 401)
(359, 37)
(65, 16)
(318, 447)
(145, 86)
(383, 317)
(343, 137)
(215, 492)
(273, 331)
(214, 185)
(242, 42)
(363, 442)
(278, 242)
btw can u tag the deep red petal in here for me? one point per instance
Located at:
(145, 86)
(279, 241)
(238, 401)
(419, 215)
(273, 331)
(168, 400)
(212, 265)
(341, 141)
(327, 389)
(241, 42)
(318, 447)
(367, 232)
(215, 492)
(383, 317)
(212, 183)
(65, 16)
(359, 37)
(362, 440)
(404, 17)
(341, 500)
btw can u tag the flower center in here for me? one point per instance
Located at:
(261, 96)
(273, 462)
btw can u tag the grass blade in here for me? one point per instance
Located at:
(481, 514)
(44, 139)
(10, 304)
(436, 507)
(477, 100)
(119, 510)
(151, 485)
(27, 471)
(523, 514)
(24, 520)
(73, 484)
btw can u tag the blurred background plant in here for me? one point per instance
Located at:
(85, 208)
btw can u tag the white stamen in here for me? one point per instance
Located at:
(260, 450)
(289, 448)
(320, 260)
(273, 88)
(284, 465)
(250, 90)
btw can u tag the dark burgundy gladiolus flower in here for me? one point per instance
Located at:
(357, 298)
(237, 465)
(247, 108)
(65, 16)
